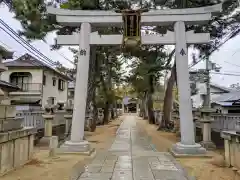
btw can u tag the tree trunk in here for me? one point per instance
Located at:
(151, 118)
(106, 113)
(145, 115)
(91, 92)
(106, 106)
(141, 108)
(95, 112)
(168, 98)
(150, 109)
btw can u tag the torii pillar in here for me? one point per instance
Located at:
(77, 144)
(180, 38)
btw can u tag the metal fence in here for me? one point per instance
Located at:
(222, 122)
(35, 119)
(32, 118)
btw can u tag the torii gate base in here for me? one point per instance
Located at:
(180, 38)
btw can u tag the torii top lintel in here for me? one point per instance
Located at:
(151, 18)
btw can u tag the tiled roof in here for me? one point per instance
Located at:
(226, 97)
(29, 61)
(4, 84)
(221, 87)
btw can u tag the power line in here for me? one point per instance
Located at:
(32, 62)
(47, 44)
(34, 47)
(232, 64)
(65, 57)
(17, 40)
(62, 55)
(26, 43)
(221, 44)
(31, 50)
(226, 74)
(47, 63)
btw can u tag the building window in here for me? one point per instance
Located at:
(61, 85)
(52, 100)
(44, 79)
(70, 93)
(54, 81)
(21, 79)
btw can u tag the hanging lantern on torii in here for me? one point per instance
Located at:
(131, 27)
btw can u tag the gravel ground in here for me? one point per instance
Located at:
(201, 168)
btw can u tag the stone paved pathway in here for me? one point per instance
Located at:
(131, 157)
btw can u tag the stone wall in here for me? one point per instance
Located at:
(16, 149)
(232, 149)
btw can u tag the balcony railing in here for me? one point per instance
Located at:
(33, 87)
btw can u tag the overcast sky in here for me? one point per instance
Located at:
(228, 57)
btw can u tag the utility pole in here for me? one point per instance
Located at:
(207, 103)
(207, 110)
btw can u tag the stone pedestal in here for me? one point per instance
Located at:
(207, 120)
(48, 119)
(207, 140)
(180, 149)
(53, 146)
(232, 148)
(82, 147)
(68, 123)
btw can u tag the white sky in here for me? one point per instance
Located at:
(227, 57)
(44, 48)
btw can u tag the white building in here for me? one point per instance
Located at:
(71, 87)
(224, 99)
(198, 98)
(37, 81)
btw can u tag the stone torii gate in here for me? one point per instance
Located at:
(179, 17)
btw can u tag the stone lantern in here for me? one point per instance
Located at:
(206, 128)
(68, 117)
(48, 117)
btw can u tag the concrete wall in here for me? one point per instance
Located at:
(16, 149)
(52, 91)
